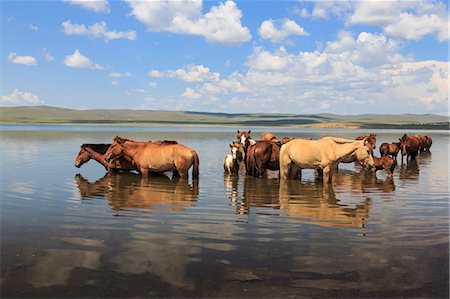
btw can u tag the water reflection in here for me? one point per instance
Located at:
(318, 204)
(127, 191)
(409, 171)
(56, 266)
(345, 202)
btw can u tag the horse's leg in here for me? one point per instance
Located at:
(327, 172)
(175, 173)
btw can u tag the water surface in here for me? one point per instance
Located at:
(69, 232)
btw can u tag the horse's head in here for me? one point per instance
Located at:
(364, 156)
(244, 137)
(83, 157)
(115, 150)
(404, 145)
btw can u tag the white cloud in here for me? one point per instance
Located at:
(25, 60)
(120, 75)
(191, 73)
(114, 82)
(96, 30)
(221, 25)
(191, 94)
(411, 20)
(152, 84)
(78, 60)
(286, 28)
(264, 60)
(47, 56)
(94, 5)
(20, 97)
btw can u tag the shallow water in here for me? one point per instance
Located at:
(69, 232)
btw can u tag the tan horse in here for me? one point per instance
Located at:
(149, 157)
(324, 154)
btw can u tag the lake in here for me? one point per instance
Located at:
(69, 232)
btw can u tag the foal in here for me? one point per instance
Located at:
(384, 162)
(230, 161)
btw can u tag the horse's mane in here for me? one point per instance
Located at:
(97, 147)
(341, 140)
(165, 142)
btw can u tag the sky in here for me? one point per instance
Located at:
(302, 57)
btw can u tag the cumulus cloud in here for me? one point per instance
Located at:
(221, 25)
(191, 73)
(78, 60)
(94, 5)
(20, 97)
(278, 31)
(25, 60)
(191, 94)
(96, 30)
(410, 20)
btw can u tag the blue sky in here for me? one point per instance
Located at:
(342, 57)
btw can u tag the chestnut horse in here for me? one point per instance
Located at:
(425, 142)
(371, 139)
(324, 153)
(97, 152)
(391, 149)
(386, 163)
(149, 157)
(410, 147)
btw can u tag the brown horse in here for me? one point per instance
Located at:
(410, 147)
(386, 163)
(262, 155)
(97, 152)
(371, 139)
(244, 137)
(425, 142)
(149, 157)
(324, 153)
(390, 149)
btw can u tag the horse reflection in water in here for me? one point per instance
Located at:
(126, 191)
(311, 202)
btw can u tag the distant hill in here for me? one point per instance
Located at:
(55, 115)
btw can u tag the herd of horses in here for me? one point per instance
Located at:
(288, 155)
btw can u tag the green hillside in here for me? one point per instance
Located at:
(54, 115)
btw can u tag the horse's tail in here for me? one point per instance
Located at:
(195, 169)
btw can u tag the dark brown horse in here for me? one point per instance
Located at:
(390, 149)
(386, 163)
(410, 147)
(97, 152)
(150, 157)
(262, 155)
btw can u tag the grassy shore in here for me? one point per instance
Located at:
(63, 116)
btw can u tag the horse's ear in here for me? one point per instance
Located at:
(231, 145)
(249, 131)
(238, 131)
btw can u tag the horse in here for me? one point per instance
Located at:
(371, 138)
(324, 153)
(230, 161)
(425, 142)
(262, 155)
(97, 152)
(384, 162)
(149, 157)
(410, 147)
(244, 137)
(266, 136)
(391, 149)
